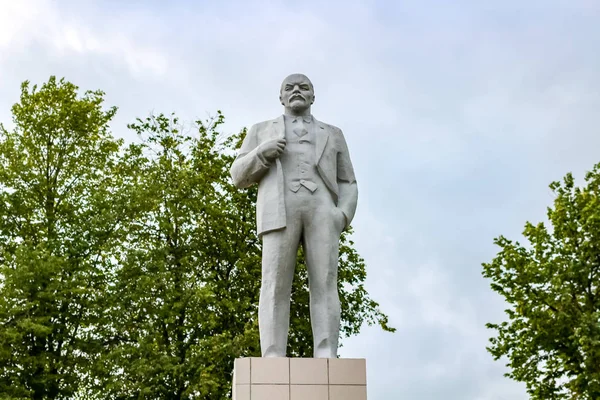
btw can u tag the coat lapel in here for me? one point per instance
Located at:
(322, 135)
(278, 130)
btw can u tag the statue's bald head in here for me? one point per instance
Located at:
(296, 78)
(297, 94)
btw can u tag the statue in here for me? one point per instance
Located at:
(307, 195)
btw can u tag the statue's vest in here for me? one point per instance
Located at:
(299, 159)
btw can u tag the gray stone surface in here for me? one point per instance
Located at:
(307, 195)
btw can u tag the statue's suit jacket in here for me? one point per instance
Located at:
(333, 164)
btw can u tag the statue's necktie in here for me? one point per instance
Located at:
(299, 128)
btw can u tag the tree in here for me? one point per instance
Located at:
(552, 336)
(59, 221)
(186, 295)
(133, 272)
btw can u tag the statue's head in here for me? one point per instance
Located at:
(297, 93)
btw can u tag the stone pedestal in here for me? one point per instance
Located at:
(299, 379)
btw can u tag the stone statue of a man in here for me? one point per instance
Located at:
(307, 195)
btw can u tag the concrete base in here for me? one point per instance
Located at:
(299, 379)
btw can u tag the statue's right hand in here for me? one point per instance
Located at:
(272, 149)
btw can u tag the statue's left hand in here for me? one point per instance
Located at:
(341, 219)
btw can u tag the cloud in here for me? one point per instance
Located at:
(39, 22)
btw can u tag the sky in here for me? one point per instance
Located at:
(458, 115)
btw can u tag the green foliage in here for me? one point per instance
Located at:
(187, 293)
(133, 272)
(552, 338)
(58, 223)
(184, 298)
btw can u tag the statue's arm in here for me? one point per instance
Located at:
(249, 166)
(346, 180)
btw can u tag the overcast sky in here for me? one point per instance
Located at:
(458, 114)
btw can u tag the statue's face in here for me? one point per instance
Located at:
(297, 93)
